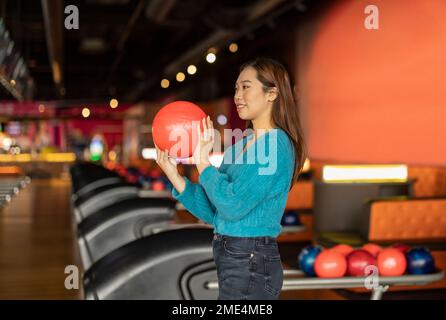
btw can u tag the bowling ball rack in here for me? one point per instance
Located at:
(295, 279)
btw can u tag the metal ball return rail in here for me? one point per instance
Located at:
(379, 285)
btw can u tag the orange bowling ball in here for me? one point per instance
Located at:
(330, 264)
(391, 262)
(174, 128)
(372, 248)
(343, 249)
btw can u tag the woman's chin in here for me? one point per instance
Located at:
(243, 116)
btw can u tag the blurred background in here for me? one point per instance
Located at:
(369, 86)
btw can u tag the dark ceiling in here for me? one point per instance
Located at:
(123, 48)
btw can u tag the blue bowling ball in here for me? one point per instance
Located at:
(306, 259)
(290, 218)
(144, 181)
(167, 184)
(420, 261)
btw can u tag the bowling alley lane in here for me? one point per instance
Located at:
(37, 242)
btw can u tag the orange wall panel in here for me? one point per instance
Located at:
(375, 95)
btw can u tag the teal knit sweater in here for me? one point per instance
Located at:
(247, 194)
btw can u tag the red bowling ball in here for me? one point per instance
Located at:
(402, 247)
(357, 262)
(174, 128)
(158, 185)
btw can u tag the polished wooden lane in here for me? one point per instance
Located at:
(37, 242)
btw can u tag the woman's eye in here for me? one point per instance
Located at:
(242, 87)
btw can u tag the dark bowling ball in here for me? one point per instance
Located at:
(358, 261)
(306, 259)
(420, 261)
(132, 175)
(144, 181)
(133, 171)
(290, 218)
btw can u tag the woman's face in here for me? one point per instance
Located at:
(250, 99)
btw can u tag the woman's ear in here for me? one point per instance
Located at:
(272, 94)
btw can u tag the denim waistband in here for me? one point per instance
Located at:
(261, 240)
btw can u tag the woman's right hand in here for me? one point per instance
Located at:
(168, 165)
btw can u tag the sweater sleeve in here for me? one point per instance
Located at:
(237, 197)
(195, 201)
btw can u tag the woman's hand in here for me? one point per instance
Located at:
(205, 142)
(168, 165)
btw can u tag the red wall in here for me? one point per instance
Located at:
(375, 95)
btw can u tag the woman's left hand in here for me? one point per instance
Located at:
(205, 142)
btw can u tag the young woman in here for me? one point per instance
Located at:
(245, 200)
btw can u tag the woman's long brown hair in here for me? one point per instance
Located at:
(285, 114)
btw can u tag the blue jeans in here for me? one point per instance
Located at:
(248, 268)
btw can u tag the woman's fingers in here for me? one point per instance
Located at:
(198, 132)
(157, 154)
(208, 131)
(173, 161)
(211, 129)
(205, 129)
(161, 156)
